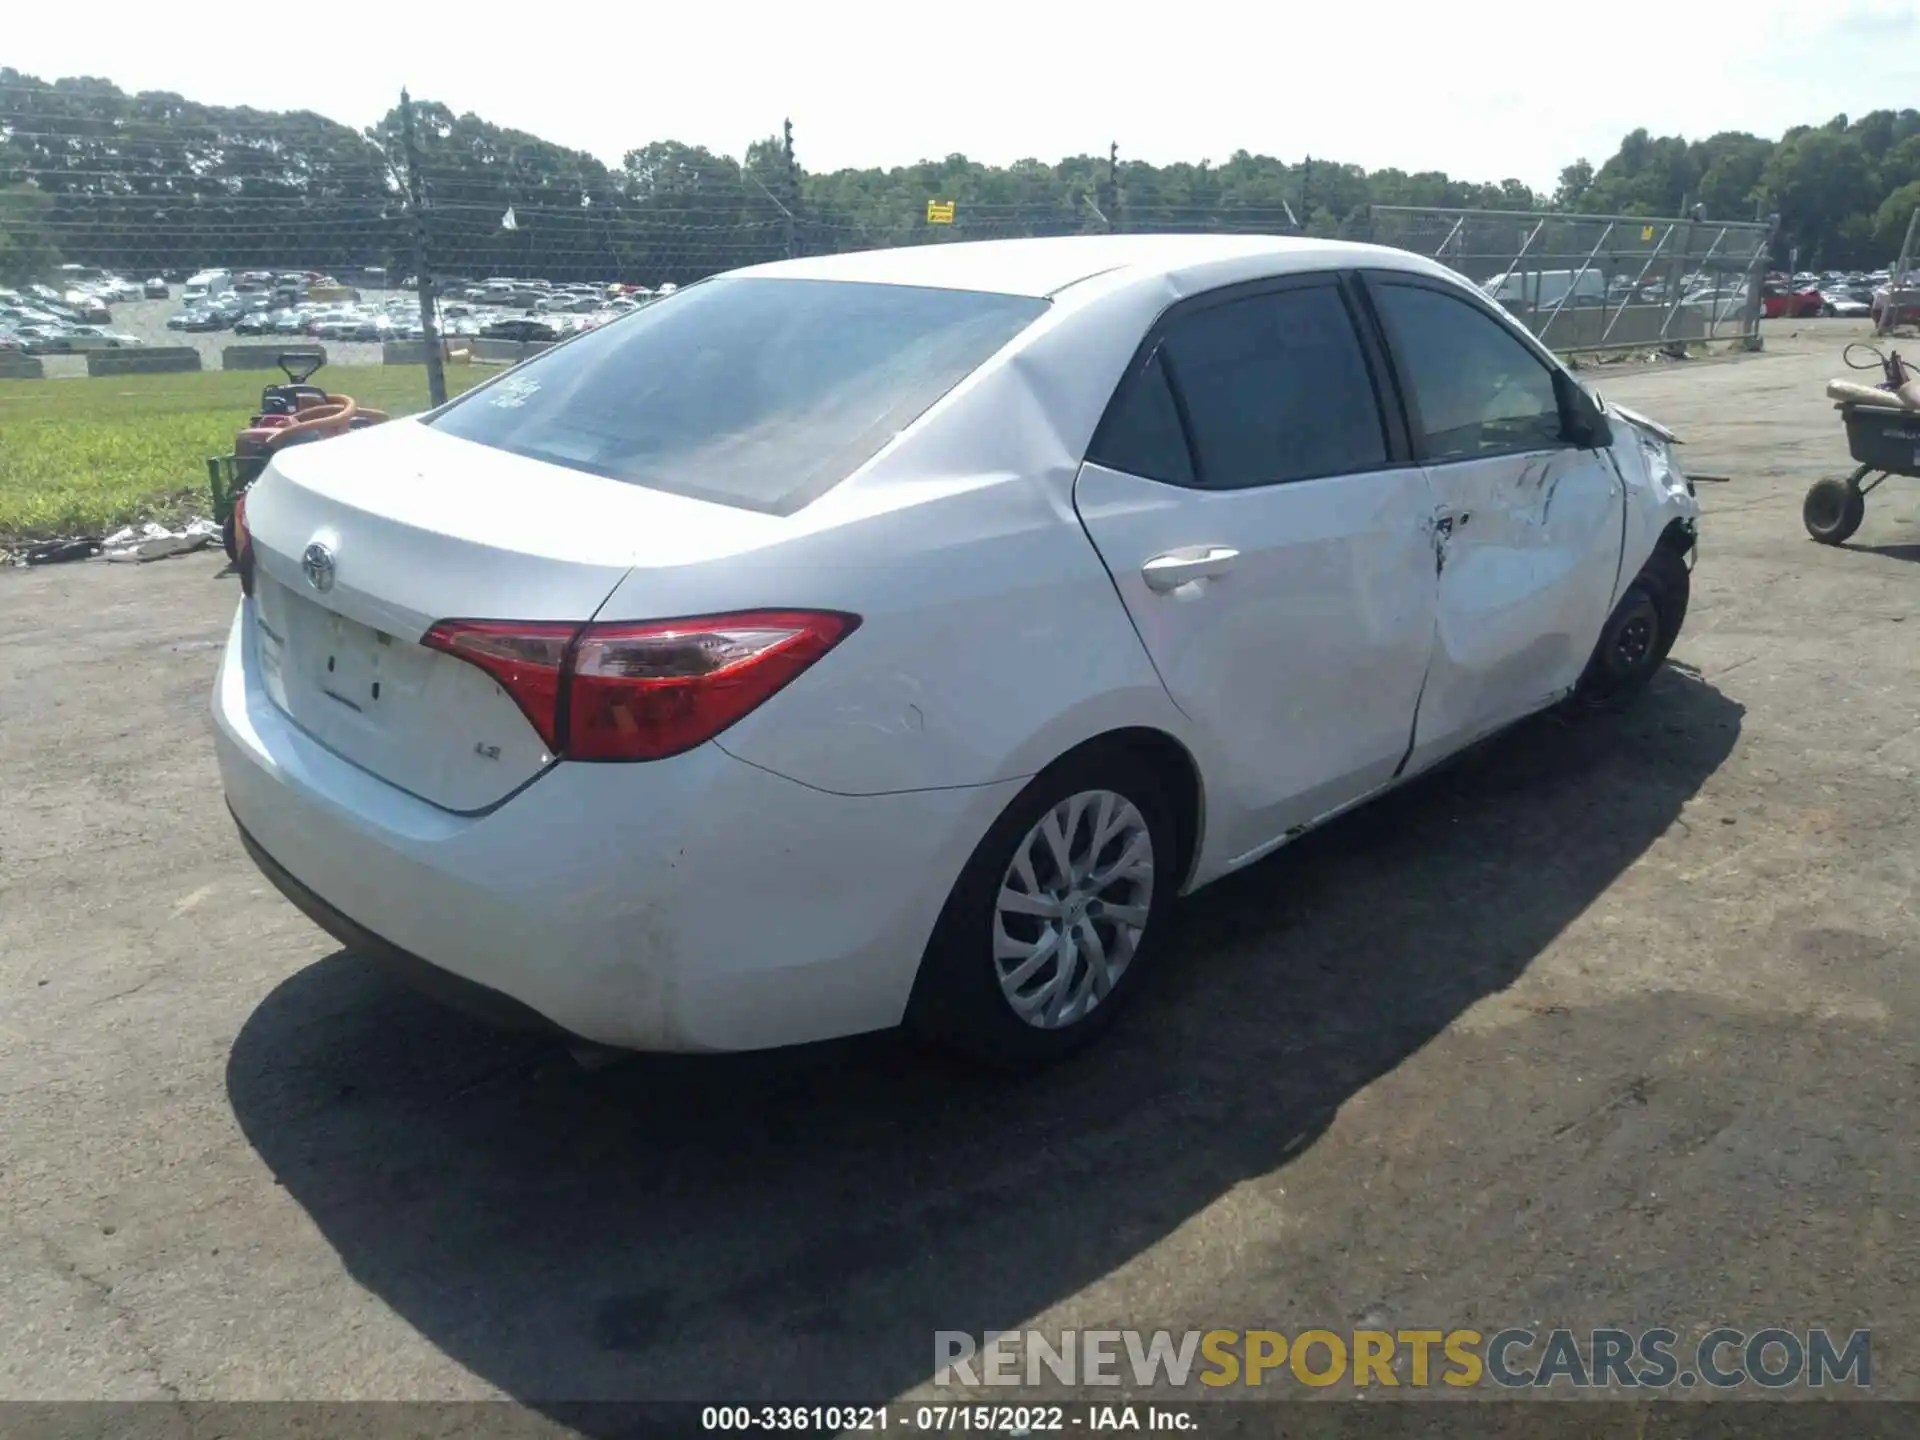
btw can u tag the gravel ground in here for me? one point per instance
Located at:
(1618, 1023)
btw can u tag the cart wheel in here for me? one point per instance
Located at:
(1834, 508)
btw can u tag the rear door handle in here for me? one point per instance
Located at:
(1174, 569)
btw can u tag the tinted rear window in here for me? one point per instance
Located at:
(761, 393)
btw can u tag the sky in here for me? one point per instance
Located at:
(1481, 90)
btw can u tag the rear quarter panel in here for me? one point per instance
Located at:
(991, 639)
(991, 642)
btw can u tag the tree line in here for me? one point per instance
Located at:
(152, 181)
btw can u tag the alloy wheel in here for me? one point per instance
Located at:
(1072, 907)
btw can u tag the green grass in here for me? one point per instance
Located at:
(87, 456)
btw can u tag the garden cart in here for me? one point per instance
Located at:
(1883, 436)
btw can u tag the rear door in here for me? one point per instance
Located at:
(1271, 540)
(1529, 525)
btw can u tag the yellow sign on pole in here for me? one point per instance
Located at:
(940, 212)
(1646, 232)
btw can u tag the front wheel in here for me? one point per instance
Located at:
(1640, 632)
(1056, 916)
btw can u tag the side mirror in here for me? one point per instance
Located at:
(1582, 421)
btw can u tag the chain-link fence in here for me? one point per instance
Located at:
(321, 232)
(1598, 282)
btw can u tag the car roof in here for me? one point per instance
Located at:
(1045, 266)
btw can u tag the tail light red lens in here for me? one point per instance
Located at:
(643, 691)
(528, 661)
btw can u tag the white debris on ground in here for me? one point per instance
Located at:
(153, 541)
(131, 544)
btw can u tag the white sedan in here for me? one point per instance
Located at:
(891, 637)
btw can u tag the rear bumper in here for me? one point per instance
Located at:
(697, 903)
(443, 985)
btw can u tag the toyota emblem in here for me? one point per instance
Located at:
(317, 564)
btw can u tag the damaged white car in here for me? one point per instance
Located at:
(890, 637)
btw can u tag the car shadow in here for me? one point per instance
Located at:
(799, 1224)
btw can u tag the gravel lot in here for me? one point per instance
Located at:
(1618, 1023)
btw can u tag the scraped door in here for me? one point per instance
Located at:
(1528, 525)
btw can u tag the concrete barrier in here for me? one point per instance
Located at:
(267, 357)
(15, 366)
(462, 348)
(414, 352)
(143, 360)
(1578, 326)
(511, 351)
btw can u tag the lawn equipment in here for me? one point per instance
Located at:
(1883, 434)
(296, 413)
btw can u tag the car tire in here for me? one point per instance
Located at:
(1834, 509)
(971, 996)
(1641, 631)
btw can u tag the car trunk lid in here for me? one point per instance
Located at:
(361, 544)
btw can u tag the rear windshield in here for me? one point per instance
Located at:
(761, 393)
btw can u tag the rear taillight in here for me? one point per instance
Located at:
(642, 691)
(242, 544)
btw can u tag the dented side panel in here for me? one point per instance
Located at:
(1529, 549)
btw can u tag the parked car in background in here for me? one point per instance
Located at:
(1783, 301)
(207, 285)
(257, 322)
(336, 326)
(1720, 304)
(156, 289)
(1846, 304)
(92, 337)
(971, 599)
(35, 314)
(200, 320)
(521, 329)
(45, 339)
(89, 308)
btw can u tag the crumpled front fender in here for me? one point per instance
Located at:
(1659, 495)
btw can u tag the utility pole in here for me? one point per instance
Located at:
(1113, 186)
(792, 186)
(423, 277)
(786, 210)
